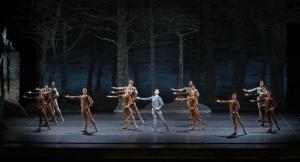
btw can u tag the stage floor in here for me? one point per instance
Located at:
(216, 135)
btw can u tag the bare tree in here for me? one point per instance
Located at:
(2, 96)
(182, 23)
(119, 28)
(278, 54)
(271, 18)
(152, 28)
(53, 42)
(38, 17)
(92, 67)
(262, 17)
(239, 56)
(209, 42)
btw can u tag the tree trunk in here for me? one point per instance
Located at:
(7, 71)
(53, 63)
(42, 60)
(97, 92)
(91, 69)
(152, 49)
(53, 43)
(122, 57)
(114, 68)
(277, 63)
(209, 45)
(136, 73)
(195, 61)
(2, 96)
(180, 62)
(239, 57)
(63, 59)
(209, 76)
(264, 49)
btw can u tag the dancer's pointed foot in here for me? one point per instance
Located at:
(233, 134)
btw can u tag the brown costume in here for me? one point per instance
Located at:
(235, 117)
(192, 102)
(49, 110)
(85, 104)
(269, 103)
(41, 110)
(134, 94)
(126, 106)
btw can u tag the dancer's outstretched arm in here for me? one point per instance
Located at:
(180, 99)
(109, 96)
(118, 88)
(144, 99)
(72, 97)
(223, 101)
(35, 97)
(180, 89)
(251, 90)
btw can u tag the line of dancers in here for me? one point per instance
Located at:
(46, 98)
(47, 105)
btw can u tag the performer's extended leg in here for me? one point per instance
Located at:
(192, 116)
(259, 113)
(57, 109)
(263, 114)
(160, 114)
(242, 125)
(51, 112)
(270, 121)
(90, 117)
(199, 118)
(274, 118)
(233, 118)
(154, 115)
(136, 111)
(126, 118)
(84, 117)
(44, 116)
(133, 118)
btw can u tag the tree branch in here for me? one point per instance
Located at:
(106, 39)
(77, 39)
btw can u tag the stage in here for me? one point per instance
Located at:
(112, 141)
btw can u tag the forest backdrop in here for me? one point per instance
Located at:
(222, 45)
